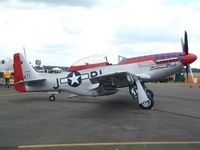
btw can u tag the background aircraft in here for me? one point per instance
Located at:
(96, 77)
(6, 64)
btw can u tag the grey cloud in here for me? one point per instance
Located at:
(2, 1)
(142, 35)
(55, 48)
(179, 2)
(80, 3)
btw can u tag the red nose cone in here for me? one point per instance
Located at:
(190, 58)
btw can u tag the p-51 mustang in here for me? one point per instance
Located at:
(98, 78)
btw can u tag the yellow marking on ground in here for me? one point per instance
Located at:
(107, 144)
(12, 94)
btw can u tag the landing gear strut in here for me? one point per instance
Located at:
(133, 91)
(143, 95)
(148, 91)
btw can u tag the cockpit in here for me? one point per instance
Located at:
(92, 61)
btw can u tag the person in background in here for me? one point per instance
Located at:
(7, 76)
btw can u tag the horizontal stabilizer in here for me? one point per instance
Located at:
(30, 81)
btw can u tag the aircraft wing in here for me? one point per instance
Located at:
(118, 79)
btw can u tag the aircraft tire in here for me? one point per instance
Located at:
(148, 104)
(52, 98)
(148, 91)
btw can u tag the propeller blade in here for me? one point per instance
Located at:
(186, 69)
(191, 73)
(186, 43)
(182, 43)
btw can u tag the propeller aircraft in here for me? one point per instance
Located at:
(96, 77)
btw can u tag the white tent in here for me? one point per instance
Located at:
(57, 70)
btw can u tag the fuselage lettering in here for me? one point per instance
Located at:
(95, 73)
(57, 85)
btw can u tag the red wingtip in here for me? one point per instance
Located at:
(18, 75)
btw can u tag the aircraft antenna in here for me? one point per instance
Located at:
(24, 52)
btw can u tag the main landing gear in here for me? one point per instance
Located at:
(148, 104)
(143, 95)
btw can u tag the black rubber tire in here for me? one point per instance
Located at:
(52, 98)
(148, 91)
(149, 104)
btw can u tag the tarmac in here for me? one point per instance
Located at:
(30, 121)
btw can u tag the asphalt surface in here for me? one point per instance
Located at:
(30, 121)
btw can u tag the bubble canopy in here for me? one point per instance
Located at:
(89, 62)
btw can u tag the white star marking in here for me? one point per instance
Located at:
(74, 79)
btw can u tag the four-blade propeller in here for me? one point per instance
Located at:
(185, 50)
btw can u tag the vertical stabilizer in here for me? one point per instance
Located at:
(23, 72)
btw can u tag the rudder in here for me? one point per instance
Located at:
(18, 75)
(22, 71)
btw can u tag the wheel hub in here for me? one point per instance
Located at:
(146, 104)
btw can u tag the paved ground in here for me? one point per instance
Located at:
(106, 123)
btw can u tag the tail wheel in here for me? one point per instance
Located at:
(148, 104)
(52, 98)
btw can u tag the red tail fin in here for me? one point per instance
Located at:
(18, 75)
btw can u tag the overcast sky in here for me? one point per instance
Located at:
(59, 32)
